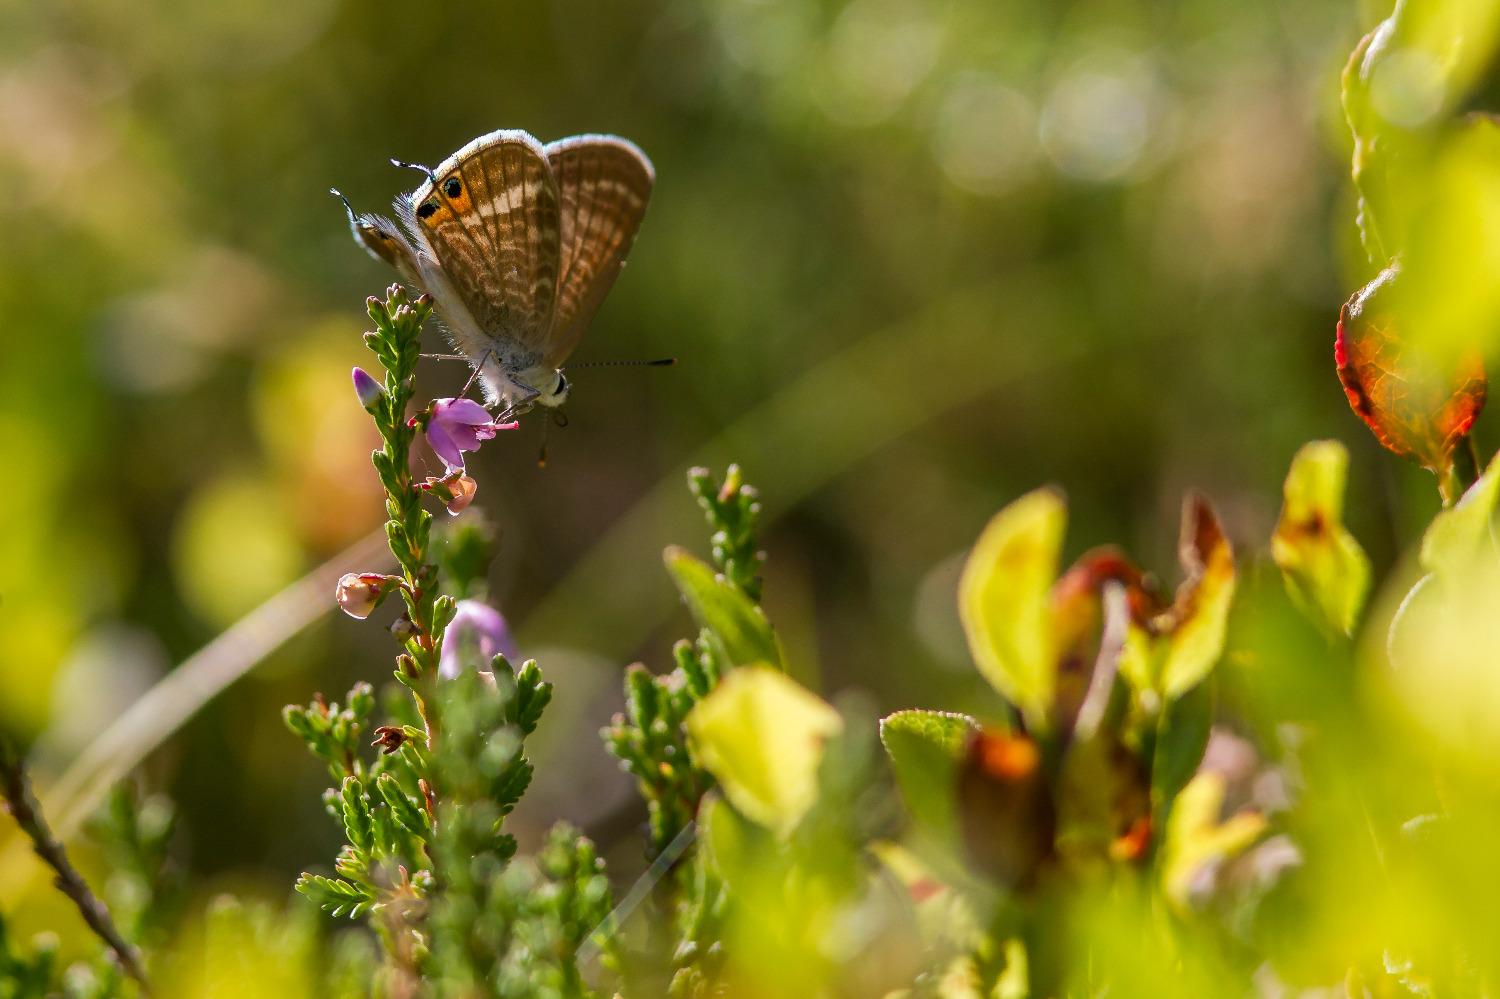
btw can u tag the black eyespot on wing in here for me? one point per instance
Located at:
(452, 187)
(426, 209)
(562, 384)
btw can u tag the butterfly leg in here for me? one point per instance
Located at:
(524, 404)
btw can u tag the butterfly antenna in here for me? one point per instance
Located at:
(660, 362)
(416, 166)
(347, 207)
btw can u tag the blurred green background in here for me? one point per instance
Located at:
(914, 257)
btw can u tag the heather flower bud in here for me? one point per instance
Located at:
(475, 636)
(367, 389)
(359, 593)
(456, 490)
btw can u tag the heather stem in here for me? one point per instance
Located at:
(396, 342)
(15, 788)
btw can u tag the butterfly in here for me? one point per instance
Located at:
(518, 243)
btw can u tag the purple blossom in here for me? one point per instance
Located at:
(477, 631)
(367, 389)
(458, 425)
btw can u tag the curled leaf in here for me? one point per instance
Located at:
(1173, 651)
(1325, 570)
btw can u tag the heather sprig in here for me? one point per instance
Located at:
(733, 511)
(427, 858)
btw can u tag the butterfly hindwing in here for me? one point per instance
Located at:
(603, 184)
(489, 217)
(383, 240)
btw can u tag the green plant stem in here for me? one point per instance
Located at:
(15, 787)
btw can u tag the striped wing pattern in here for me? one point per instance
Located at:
(529, 237)
(603, 185)
(490, 221)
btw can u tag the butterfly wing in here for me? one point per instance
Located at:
(603, 184)
(382, 240)
(489, 218)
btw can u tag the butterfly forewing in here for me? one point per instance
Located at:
(603, 183)
(490, 220)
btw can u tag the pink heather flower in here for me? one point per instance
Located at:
(359, 593)
(477, 632)
(458, 425)
(367, 389)
(455, 489)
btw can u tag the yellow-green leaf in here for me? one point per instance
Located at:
(761, 735)
(740, 628)
(1004, 601)
(1200, 615)
(1458, 533)
(1325, 570)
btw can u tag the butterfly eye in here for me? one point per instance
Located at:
(426, 208)
(452, 187)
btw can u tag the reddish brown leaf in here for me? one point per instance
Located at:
(1412, 411)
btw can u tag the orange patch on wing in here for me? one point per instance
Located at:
(459, 204)
(439, 215)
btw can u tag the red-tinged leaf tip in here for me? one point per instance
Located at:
(1412, 412)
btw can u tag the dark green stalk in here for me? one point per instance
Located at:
(15, 787)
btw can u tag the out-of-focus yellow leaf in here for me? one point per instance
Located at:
(761, 735)
(1444, 645)
(243, 951)
(1457, 534)
(1325, 570)
(945, 917)
(1172, 652)
(1201, 611)
(1195, 836)
(1448, 301)
(1005, 605)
